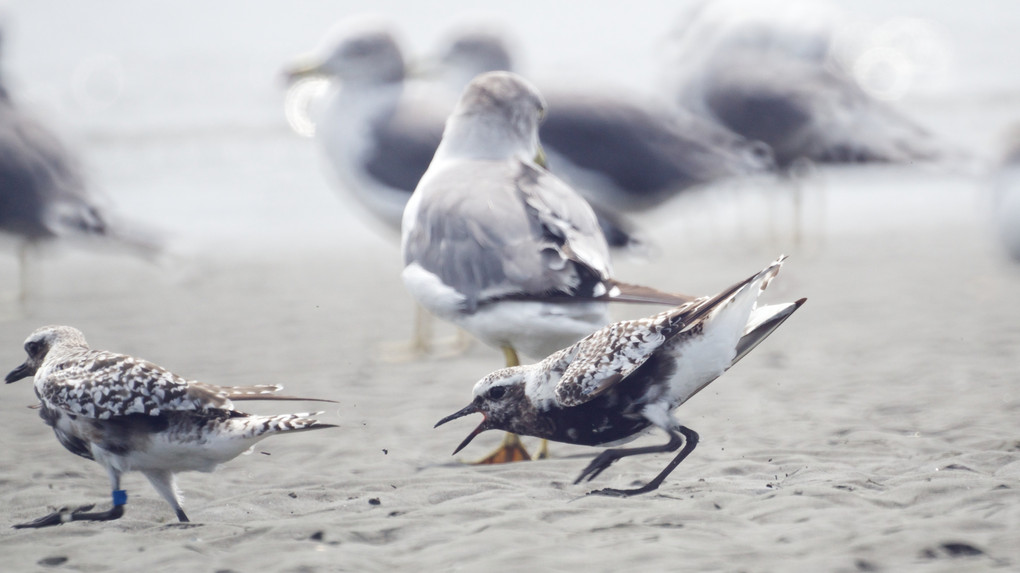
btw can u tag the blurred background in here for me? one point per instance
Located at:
(176, 108)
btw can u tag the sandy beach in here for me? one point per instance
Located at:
(877, 430)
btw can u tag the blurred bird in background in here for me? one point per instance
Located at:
(784, 75)
(44, 195)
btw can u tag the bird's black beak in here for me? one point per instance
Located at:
(23, 371)
(469, 409)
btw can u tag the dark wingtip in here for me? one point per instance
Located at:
(800, 301)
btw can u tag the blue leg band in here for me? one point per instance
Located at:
(119, 497)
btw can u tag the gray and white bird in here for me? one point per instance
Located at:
(628, 377)
(624, 154)
(377, 130)
(128, 414)
(44, 195)
(497, 245)
(771, 72)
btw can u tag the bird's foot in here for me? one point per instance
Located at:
(611, 492)
(511, 450)
(398, 352)
(597, 466)
(64, 515)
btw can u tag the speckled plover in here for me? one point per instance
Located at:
(131, 415)
(629, 377)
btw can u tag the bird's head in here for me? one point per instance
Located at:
(501, 400)
(39, 345)
(356, 51)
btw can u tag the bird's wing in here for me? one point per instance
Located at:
(606, 357)
(505, 229)
(104, 384)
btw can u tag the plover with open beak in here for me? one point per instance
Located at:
(497, 245)
(128, 414)
(629, 377)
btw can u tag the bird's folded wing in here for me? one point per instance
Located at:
(104, 385)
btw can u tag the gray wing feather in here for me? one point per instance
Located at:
(404, 146)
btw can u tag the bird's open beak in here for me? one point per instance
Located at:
(23, 371)
(469, 409)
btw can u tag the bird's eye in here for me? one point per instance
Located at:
(496, 393)
(32, 347)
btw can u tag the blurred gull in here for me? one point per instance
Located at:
(622, 155)
(43, 194)
(497, 245)
(772, 73)
(378, 132)
(1006, 198)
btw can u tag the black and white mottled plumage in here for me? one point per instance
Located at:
(498, 245)
(128, 414)
(629, 376)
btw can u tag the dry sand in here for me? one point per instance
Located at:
(877, 430)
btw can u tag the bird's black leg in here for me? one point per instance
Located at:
(603, 461)
(606, 458)
(64, 514)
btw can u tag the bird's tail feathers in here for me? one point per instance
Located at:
(255, 392)
(631, 293)
(764, 321)
(290, 423)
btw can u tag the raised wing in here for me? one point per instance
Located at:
(608, 356)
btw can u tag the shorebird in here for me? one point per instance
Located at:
(500, 247)
(128, 414)
(628, 377)
(43, 194)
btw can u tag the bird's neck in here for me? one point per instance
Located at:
(478, 138)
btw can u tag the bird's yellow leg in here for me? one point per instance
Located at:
(543, 451)
(511, 450)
